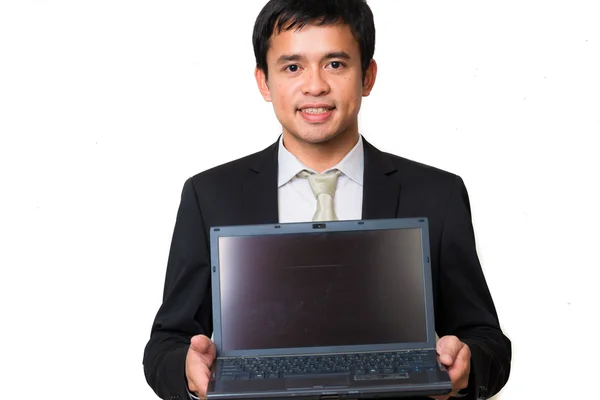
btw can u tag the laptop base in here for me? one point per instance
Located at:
(335, 386)
(284, 388)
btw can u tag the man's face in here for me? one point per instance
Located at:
(315, 82)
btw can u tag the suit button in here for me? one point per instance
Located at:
(175, 397)
(482, 393)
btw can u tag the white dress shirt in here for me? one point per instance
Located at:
(296, 201)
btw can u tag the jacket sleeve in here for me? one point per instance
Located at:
(464, 305)
(186, 304)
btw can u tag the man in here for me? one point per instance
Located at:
(314, 64)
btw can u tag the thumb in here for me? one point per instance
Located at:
(448, 348)
(202, 344)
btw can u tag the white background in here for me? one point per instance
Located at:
(107, 107)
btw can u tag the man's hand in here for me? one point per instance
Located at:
(456, 356)
(198, 361)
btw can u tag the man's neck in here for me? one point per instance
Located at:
(321, 156)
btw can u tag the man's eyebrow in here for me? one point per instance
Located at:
(297, 57)
(337, 54)
(289, 58)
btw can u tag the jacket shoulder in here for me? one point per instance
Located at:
(420, 174)
(235, 168)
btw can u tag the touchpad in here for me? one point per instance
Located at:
(316, 382)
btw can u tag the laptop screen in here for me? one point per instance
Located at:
(322, 289)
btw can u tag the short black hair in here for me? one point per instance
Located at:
(282, 15)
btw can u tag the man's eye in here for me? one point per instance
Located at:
(292, 68)
(336, 64)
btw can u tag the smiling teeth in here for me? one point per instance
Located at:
(316, 110)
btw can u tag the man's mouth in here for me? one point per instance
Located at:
(316, 110)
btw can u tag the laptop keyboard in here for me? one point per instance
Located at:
(396, 362)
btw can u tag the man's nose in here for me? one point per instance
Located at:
(315, 83)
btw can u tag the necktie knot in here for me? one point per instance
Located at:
(322, 183)
(323, 187)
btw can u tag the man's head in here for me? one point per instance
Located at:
(281, 15)
(314, 62)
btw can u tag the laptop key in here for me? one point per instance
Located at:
(233, 377)
(312, 375)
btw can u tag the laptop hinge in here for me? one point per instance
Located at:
(327, 353)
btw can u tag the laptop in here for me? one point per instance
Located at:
(325, 310)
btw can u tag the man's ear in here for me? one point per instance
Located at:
(370, 77)
(263, 84)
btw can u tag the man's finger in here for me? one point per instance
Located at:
(448, 348)
(464, 355)
(202, 383)
(201, 344)
(463, 364)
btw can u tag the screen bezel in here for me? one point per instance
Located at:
(309, 227)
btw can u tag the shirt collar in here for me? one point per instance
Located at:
(352, 165)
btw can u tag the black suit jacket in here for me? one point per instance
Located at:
(245, 192)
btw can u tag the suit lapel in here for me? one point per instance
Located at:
(259, 190)
(381, 186)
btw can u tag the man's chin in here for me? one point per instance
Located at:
(316, 137)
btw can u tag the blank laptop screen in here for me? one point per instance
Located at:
(322, 289)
